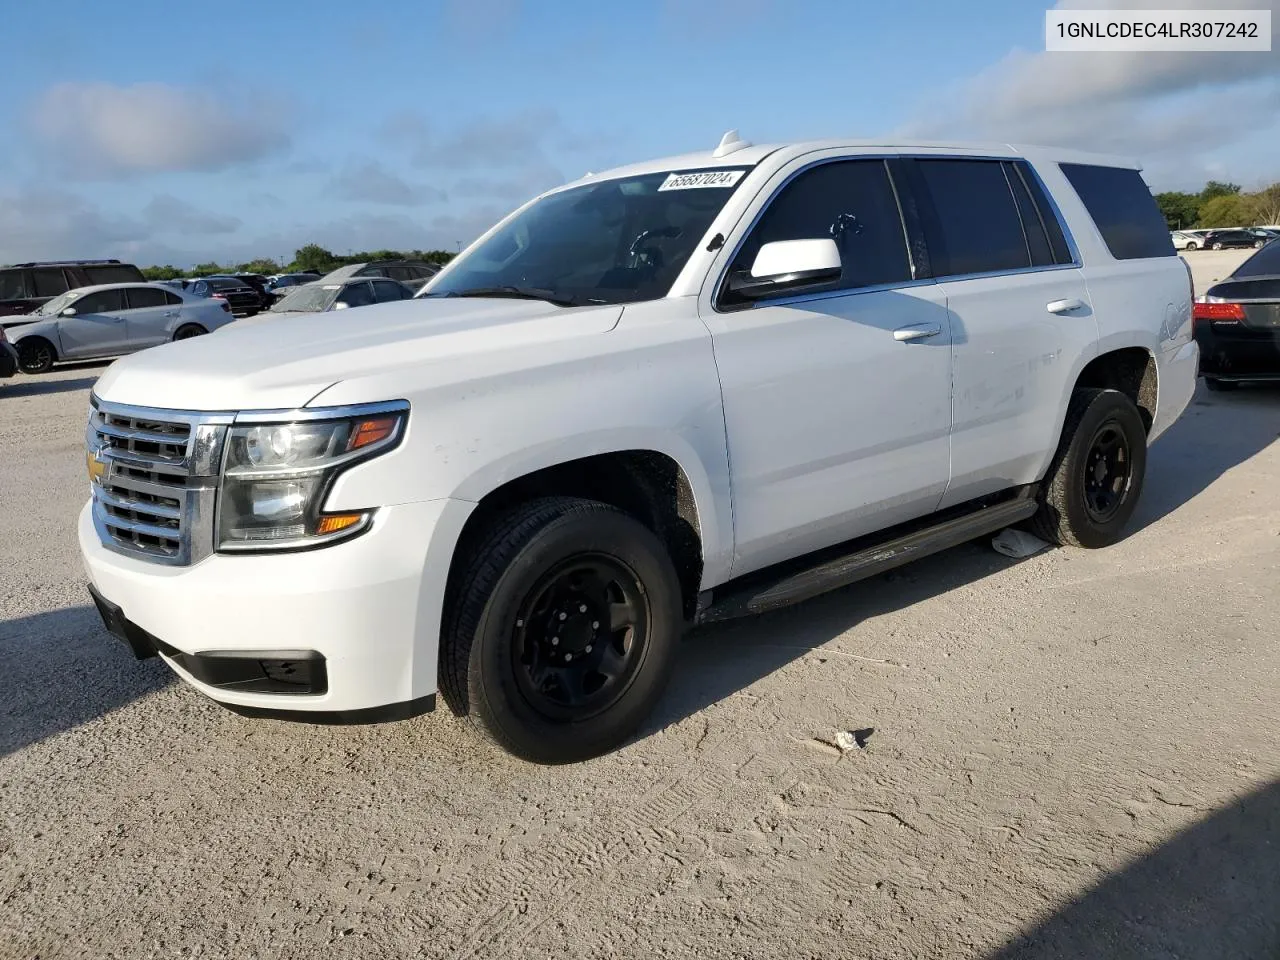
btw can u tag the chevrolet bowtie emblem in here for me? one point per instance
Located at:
(97, 466)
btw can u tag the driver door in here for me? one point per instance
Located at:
(99, 327)
(837, 400)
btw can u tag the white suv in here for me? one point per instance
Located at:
(667, 394)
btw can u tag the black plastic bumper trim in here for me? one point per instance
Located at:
(388, 713)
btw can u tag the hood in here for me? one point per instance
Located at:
(282, 362)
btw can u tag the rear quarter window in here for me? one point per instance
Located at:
(1123, 210)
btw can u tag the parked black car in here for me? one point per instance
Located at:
(1222, 239)
(25, 286)
(412, 273)
(260, 286)
(1237, 323)
(243, 300)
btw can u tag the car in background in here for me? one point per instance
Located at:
(1229, 238)
(1182, 240)
(1237, 324)
(242, 298)
(412, 273)
(8, 356)
(259, 284)
(322, 296)
(113, 319)
(1263, 235)
(25, 286)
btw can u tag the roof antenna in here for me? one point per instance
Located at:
(730, 143)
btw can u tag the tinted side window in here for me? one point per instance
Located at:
(356, 295)
(398, 273)
(104, 301)
(388, 290)
(1264, 263)
(12, 285)
(113, 273)
(140, 297)
(1032, 225)
(171, 298)
(1123, 209)
(49, 282)
(1052, 226)
(851, 201)
(974, 226)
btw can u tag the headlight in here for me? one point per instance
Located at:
(275, 477)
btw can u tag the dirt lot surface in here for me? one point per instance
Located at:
(1074, 755)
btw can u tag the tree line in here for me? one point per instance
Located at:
(309, 257)
(1221, 205)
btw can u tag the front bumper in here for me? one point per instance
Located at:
(346, 632)
(8, 359)
(1235, 353)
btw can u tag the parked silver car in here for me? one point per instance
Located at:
(112, 319)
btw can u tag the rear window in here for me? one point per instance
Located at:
(12, 285)
(1264, 263)
(225, 285)
(976, 227)
(1123, 209)
(112, 273)
(143, 297)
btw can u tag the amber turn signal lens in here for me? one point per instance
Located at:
(371, 431)
(337, 521)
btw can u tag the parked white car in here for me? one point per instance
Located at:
(1182, 240)
(110, 320)
(670, 393)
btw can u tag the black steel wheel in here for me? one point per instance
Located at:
(580, 636)
(1107, 472)
(1092, 486)
(561, 625)
(36, 355)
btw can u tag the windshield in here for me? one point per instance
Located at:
(59, 303)
(312, 298)
(618, 241)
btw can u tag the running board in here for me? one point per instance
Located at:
(795, 586)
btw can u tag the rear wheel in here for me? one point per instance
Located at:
(189, 330)
(1193, 246)
(561, 629)
(1093, 485)
(1220, 386)
(36, 355)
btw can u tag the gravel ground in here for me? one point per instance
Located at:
(1074, 755)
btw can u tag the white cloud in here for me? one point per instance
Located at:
(54, 224)
(103, 130)
(1174, 111)
(368, 181)
(168, 214)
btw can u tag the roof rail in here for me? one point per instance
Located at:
(62, 263)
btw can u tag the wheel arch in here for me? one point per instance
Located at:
(1133, 371)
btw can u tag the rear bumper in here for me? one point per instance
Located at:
(345, 633)
(1238, 354)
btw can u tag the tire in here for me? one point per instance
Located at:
(506, 623)
(1091, 513)
(189, 330)
(1259, 244)
(1217, 246)
(1193, 246)
(1220, 386)
(36, 355)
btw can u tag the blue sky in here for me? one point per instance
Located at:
(139, 130)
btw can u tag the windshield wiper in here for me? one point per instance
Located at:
(518, 293)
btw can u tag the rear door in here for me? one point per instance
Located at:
(99, 327)
(1019, 311)
(149, 318)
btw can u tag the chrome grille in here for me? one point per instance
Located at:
(155, 495)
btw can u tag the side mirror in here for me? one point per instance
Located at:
(69, 312)
(786, 266)
(341, 305)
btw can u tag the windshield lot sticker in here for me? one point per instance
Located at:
(703, 178)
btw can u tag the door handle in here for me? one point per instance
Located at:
(1064, 306)
(917, 331)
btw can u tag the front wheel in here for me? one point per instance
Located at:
(561, 629)
(1259, 244)
(35, 355)
(1217, 246)
(1093, 484)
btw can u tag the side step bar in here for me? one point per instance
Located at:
(795, 586)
